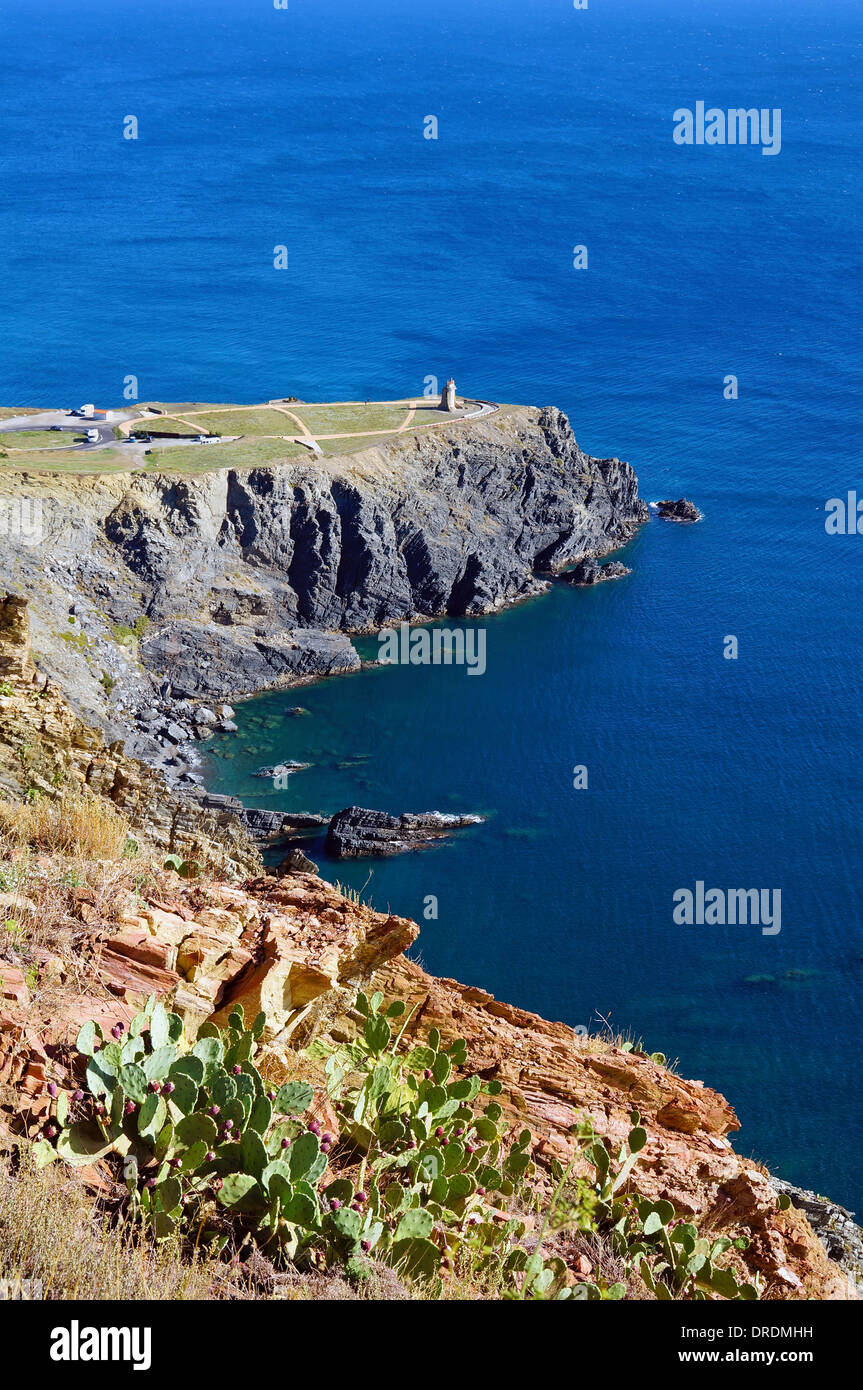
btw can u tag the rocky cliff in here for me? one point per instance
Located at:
(209, 587)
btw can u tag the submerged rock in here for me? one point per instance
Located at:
(681, 510)
(356, 831)
(280, 769)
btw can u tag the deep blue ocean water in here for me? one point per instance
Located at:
(410, 257)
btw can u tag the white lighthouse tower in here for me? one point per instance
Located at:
(447, 397)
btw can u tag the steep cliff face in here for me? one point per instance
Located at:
(251, 579)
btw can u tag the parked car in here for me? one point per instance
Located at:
(93, 436)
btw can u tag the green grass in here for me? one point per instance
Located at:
(254, 422)
(333, 448)
(206, 458)
(36, 439)
(165, 424)
(350, 419)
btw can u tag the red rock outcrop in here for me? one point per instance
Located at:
(298, 949)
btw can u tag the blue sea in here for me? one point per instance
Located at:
(411, 257)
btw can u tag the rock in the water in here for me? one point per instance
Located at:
(681, 510)
(588, 572)
(295, 862)
(273, 826)
(295, 712)
(356, 831)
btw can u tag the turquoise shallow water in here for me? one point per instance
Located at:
(410, 257)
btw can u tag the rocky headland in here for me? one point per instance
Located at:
(157, 600)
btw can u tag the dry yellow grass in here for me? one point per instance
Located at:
(75, 824)
(52, 1231)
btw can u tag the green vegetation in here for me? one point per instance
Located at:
(350, 418)
(257, 421)
(204, 458)
(333, 448)
(426, 1176)
(165, 424)
(37, 439)
(125, 635)
(186, 868)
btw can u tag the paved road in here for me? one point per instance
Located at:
(106, 433)
(64, 424)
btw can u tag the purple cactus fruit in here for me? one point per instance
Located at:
(52, 1089)
(480, 1191)
(120, 1026)
(168, 1089)
(117, 1032)
(229, 1125)
(208, 1157)
(78, 1095)
(327, 1138)
(355, 1206)
(237, 1069)
(325, 1148)
(217, 1184)
(213, 1110)
(361, 1197)
(154, 1087)
(460, 1131)
(100, 1109)
(176, 1163)
(51, 1131)
(427, 1074)
(129, 1107)
(151, 1182)
(440, 1131)
(470, 1148)
(444, 1143)
(412, 1143)
(286, 1143)
(335, 1204)
(271, 1095)
(365, 1245)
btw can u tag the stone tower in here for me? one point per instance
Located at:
(447, 398)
